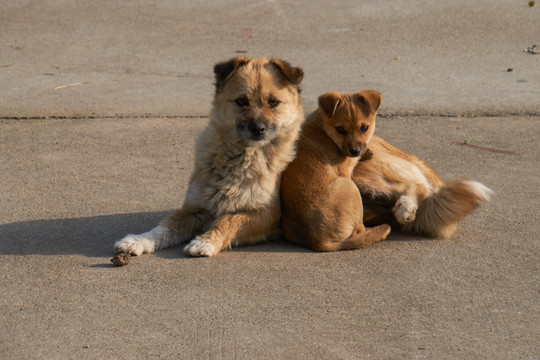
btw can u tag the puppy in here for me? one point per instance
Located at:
(233, 194)
(322, 207)
(400, 188)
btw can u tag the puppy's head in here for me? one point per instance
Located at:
(256, 99)
(349, 119)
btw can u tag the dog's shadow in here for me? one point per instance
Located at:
(91, 236)
(95, 236)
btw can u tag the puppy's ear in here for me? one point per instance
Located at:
(292, 73)
(225, 69)
(329, 102)
(370, 100)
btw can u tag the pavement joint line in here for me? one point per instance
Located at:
(471, 114)
(89, 117)
(380, 115)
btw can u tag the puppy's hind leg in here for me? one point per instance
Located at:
(358, 240)
(179, 227)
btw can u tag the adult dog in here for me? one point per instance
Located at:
(233, 195)
(400, 188)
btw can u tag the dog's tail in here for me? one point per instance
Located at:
(437, 215)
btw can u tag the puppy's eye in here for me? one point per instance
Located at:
(273, 103)
(341, 130)
(242, 102)
(364, 128)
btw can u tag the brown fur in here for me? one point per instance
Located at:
(322, 207)
(233, 194)
(399, 187)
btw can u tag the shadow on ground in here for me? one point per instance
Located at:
(95, 236)
(91, 236)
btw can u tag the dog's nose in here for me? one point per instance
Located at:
(257, 128)
(355, 151)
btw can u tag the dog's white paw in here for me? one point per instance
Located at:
(405, 209)
(140, 244)
(197, 247)
(132, 244)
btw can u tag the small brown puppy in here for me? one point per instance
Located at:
(322, 207)
(233, 194)
(400, 188)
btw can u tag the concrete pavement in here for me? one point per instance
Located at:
(131, 58)
(100, 105)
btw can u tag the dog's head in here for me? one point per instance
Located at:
(349, 119)
(256, 99)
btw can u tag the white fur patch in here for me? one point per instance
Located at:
(143, 243)
(480, 189)
(406, 170)
(198, 247)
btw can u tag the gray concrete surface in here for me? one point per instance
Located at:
(146, 57)
(100, 103)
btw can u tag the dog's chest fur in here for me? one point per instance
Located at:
(229, 177)
(242, 181)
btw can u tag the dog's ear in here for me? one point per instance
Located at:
(370, 99)
(329, 102)
(225, 69)
(292, 73)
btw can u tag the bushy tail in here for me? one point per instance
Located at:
(437, 216)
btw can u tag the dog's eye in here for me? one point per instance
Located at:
(273, 103)
(341, 130)
(364, 128)
(242, 102)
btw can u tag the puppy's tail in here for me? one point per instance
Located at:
(438, 215)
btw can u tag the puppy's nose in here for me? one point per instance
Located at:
(355, 151)
(257, 128)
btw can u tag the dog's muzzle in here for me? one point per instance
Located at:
(255, 130)
(354, 151)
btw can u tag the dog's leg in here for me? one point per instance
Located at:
(142, 243)
(234, 229)
(363, 237)
(405, 208)
(179, 227)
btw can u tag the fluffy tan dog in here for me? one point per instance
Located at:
(233, 194)
(400, 188)
(322, 207)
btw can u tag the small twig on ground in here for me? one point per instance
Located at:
(485, 148)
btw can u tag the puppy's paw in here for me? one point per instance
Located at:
(141, 244)
(405, 210)
(199, 247)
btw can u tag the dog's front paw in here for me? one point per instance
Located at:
(131, 244)
(199, 247)
(143, 243)
(405, 210)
